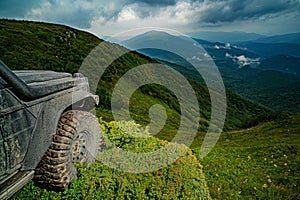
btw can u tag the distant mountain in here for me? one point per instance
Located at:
(151, 36)
(288, 44)
(236, 36)
(236, 57)
(218, 51)
(272, 81)
(246, 72)
(164, 40)
(271, 49)
(225, 37)
(286, 38)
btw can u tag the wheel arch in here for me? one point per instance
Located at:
(47, 121)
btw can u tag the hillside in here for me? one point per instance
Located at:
(31, 45)
(235, 36)
(270, 81)
(257, 162)
(261, 162)
(272, 49)
(286, 38)
(283, 63)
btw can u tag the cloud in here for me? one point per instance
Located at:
(156, 2)
(226, 46)
(243, 61)
(242, 10)
(139, 15)
(191, 15)
(77, 13)
(82, 13)
(183, 15)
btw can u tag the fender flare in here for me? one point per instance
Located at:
(48, 118)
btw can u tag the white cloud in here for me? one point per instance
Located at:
(217, 47)
(226, 46)
(243, 61)
(127, 14)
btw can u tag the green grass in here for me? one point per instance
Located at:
(262, 162)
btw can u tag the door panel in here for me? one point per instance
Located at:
(2, 156)
(16, 125)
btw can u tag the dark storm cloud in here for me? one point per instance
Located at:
(193, 13)
(239, 10)
(93, 9)
(156, 2)
(78, 13)
(19, 8)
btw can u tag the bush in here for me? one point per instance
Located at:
(182, 179)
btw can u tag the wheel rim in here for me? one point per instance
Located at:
(79, 149)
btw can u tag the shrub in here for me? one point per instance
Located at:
(182, 179)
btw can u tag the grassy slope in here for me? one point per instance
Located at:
(262, 162)
(27, 45)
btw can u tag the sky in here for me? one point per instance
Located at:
(110, 17)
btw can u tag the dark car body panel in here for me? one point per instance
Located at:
(28, 119)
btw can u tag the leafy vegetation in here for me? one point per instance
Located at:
(182, 179)
(261, 162)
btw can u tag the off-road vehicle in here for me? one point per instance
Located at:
(45, 128)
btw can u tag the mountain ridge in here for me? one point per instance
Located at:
(225, 37)
(284, 38)
(231, 59)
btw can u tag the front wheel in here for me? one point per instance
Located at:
(78, 139)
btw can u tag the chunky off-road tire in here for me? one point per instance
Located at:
(78, 138)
